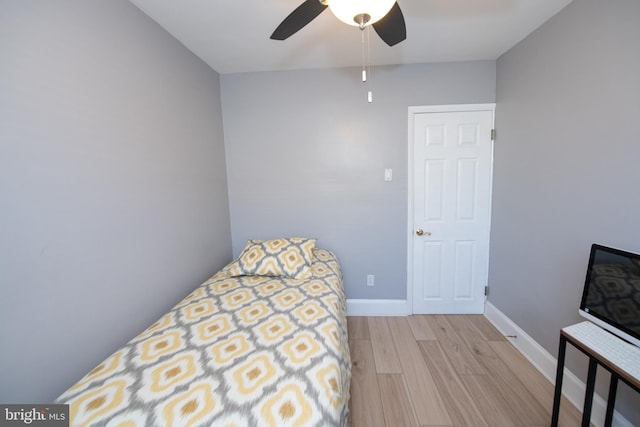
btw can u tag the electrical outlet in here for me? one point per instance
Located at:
(370, 279)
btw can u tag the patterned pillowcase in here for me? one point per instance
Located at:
(290, 257)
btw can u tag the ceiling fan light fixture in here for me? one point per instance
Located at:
(351, 12)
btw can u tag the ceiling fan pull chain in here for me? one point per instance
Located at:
(362, 48)
(369, 92)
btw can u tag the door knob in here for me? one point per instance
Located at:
(421, 232)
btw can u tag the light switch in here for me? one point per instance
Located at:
(388, 174)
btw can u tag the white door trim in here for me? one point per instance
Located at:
(413, 110)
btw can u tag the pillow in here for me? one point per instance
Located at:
(290, 257)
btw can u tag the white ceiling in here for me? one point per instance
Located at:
(233, 35)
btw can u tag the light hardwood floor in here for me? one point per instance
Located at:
(444, 370)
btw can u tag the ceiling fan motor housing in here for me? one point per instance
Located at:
(360, 13)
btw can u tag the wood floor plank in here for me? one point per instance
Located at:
(484, 327)
(520, 399)
(510, 390)
(396, 403)
(420, 328)
(365, 404)
(454, 347)
(384, 351)
(460, 405)
(358, 328)
(427, 402)
(495, 410)
(537, 384)
(476, 343)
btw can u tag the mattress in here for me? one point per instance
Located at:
(241, 350)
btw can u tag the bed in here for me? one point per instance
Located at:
(263, 342)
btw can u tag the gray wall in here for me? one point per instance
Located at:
(567, 158)
(112, 185)
(306, 156)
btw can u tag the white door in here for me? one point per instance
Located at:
(451, 156)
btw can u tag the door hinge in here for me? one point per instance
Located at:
(493, 134)
(486, 291)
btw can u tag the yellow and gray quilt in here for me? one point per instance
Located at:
(237, 351)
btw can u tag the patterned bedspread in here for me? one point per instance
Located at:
(237, 351)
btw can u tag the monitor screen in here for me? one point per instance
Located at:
(611, 296)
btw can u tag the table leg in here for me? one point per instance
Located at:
(611, 400)
(558, 389)
(588, 395)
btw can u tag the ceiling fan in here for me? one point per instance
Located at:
(384, 16)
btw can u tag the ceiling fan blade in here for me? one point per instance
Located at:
(391, 28)
(297, 19)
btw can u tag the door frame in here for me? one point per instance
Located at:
(413, 110)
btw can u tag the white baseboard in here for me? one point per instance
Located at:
(377, 307)
(572, 387)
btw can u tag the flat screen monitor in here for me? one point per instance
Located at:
(611, 296)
